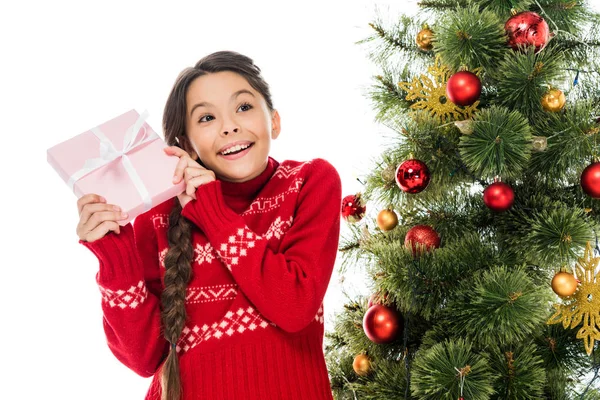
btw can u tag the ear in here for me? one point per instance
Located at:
(275, 125)
(186, 145)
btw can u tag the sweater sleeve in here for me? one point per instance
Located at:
(288, 286)
(130, 283)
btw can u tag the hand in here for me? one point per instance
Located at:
(96, 218)
(193, 173)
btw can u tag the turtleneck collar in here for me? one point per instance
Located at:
(247, 190)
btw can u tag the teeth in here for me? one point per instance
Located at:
(235, 148)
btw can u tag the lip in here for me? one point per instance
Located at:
(241, 142)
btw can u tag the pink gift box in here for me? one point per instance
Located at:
(121, 160)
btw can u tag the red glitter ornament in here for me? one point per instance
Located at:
(423, 235)
(353, 208)
(382, 324)
(498, 197)
(527, 28)
(412, 176)
(590, 180)
(463, 88)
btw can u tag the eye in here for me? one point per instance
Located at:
(246, 105)
(207, 115)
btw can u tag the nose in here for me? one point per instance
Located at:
(227, 131)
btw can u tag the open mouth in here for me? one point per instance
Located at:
(236, 150)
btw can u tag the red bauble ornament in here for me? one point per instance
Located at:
(527, 28)
(382, 324)
(463, 88)
(412, 176)
(590, 180)
(353, 208)
(424, 235)
(498, 196)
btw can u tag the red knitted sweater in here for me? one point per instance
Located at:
(264, 252)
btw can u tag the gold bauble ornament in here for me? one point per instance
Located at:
(424, 39)
(362, 364)
(387, 220)
(539, 143)
(564, 284)
(389, 173)
(465, 126)
(553, 100)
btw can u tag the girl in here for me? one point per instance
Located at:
(218, 293)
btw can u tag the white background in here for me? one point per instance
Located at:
(68, 66)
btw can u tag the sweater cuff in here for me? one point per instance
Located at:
(209, 211)
(119, 261)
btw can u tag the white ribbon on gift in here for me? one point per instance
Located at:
(108, 153)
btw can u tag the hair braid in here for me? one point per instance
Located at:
(177, 275)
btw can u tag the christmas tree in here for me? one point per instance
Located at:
(482, 253)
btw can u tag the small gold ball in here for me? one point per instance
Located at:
(539, 143)
(424, 39)
(361, 365)
(387, 220)
(389, 173)
(553, 100)
(564, 284)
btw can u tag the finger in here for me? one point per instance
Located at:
(197, 182)
(89, 198)
(180, 168)
(102, 229)
(173, 150)
(193, 172)
(94, 213)
(105, 220)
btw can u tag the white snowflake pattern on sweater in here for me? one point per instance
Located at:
(237, 246)
(278, 228)
(243, 320)
(123, 299)
(204, 253)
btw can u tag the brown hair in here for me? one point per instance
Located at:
(179, 256)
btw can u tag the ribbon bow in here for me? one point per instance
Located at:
(108, 153)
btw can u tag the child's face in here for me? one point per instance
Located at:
(226, 116)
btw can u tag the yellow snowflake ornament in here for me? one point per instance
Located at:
(584, 304)
(431, 95)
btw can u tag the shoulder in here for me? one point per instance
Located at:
(307, 169)
(316, 177)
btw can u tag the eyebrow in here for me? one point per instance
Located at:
(236, 94)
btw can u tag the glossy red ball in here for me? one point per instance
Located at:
(463, 88)
(498, 196)
(412, 176)
(590, 180)
(527, 28)
(382, 324)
